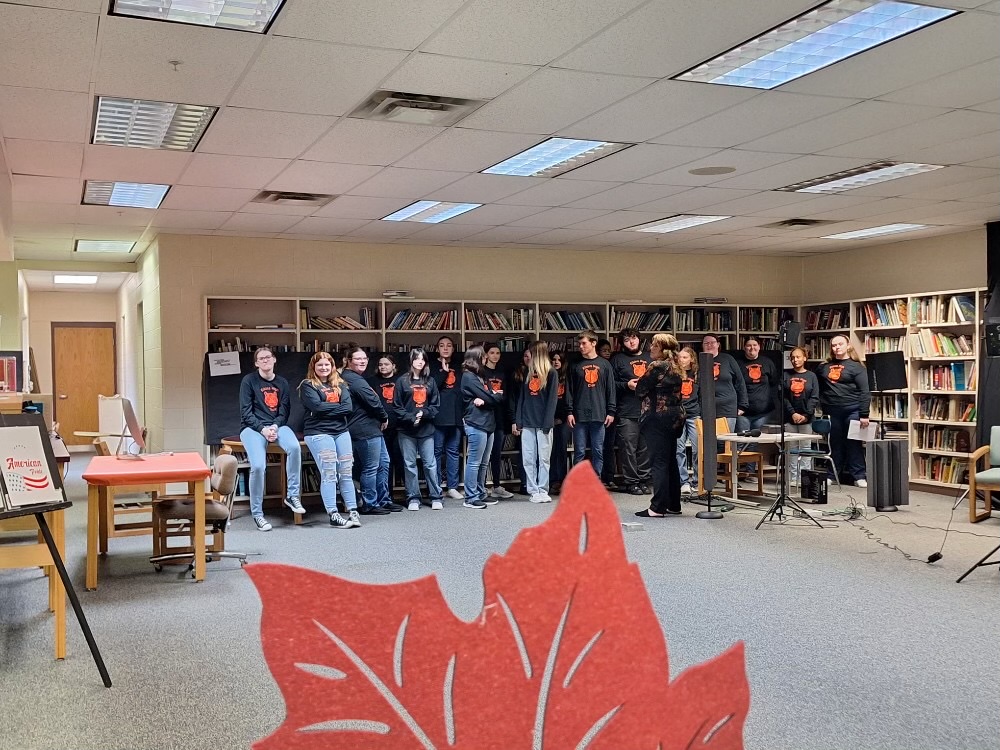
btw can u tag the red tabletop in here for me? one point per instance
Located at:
(108, 471)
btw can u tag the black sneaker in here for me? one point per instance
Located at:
(373, 510)
(393, 507)
(339, 522)
(635, 489)
(646, 490)
(489, 500)
(478, 504)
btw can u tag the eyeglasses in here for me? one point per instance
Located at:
(265, 358)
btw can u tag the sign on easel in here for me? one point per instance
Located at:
(25, 468)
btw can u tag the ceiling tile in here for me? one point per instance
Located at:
(944, 128)
(440, 75)
(34, 114)
(192, 198)
(215, 170)
(482, 188)
(743, 161)
(657, 109)
(259, 222)
(503, 234)
(692, 199)
(134, 55)
(543, 31)
(203, 220)
(959, 151)
(913, 187)
(992, 106)
(326, 227)
(111, 233)
(53, 213)
(962, 88)
(114, 216)
(28, 188)
(386, 230)
(44, 158)
(354, 141)
(44, 231)
(405, 183)
(290, 75)
(979, 191)
(43, 48)
(255, 132)
(561, 236)
(625, 196)
(552, 99)
(788, 172)
(445, 231)
(637, 162)
(757, 202)
(874, 207)
(556, 191)
(321, 177)
(467, 150)
(398, 24)
(133, 164)
(556, 218)
(495, 215)
(272, 208)
(358, 207)
(618, 220)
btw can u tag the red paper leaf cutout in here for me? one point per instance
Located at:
(567, 653)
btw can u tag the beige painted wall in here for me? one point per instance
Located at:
(954, 261)
(10, 307)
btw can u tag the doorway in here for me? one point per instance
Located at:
(83, 367)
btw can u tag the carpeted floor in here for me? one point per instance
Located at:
(849, 644)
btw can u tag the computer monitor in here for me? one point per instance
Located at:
(132, 430)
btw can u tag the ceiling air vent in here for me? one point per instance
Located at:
(416, 109)
(281, 198)
(799, 223)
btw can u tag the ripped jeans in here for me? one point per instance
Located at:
(334, 456)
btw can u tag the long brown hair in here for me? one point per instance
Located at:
(851, 352)
(334, 382)
(669, 346)
(693, 370)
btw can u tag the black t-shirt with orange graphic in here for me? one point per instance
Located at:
(628, 366)
(801, 393)
(449, 385)
(496, 380)
(761, 379)
(327, 408)
(843, 384)
(590, 390)
(690, 396)
(414, 395)
(264, 402)
(536, 402)
(385, 388)
(730, 388)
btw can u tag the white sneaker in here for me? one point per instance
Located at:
(685, 489)
(414, 505)
(354, 518)
(454, 495)
(545, 497)
(861, 483)
(262, 524)
(438, 505)
(294, 505)
(501, 493)
(539, 498)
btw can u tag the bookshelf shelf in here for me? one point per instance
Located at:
(932, 452)
(944, 423)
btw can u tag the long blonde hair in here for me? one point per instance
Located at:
(540, 365)
(335, 382)
(669, 346)
(693, 370)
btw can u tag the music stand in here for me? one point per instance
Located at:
(886, 372)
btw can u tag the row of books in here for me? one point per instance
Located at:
(505, 343)
(954, 439)
(928, 343)
(948, 469)
(942, 308)
(818, 347)
(761, 318)
(958, 376)
(825, 319)
(892, 406)
(516, 319)
(891, 313)
(704, 320)
(875, 344)
(239, 345)
(264, 327)
(316, 345)
(427, 320)
(644, 321)
(945, 409)
(572, 320)
(367, 320)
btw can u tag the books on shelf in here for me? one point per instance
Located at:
(889, 407)
(943, 308)
(945, 409)
(572, 320)
(930, 343)
(515, 319)
(826, 319)
(956, 376)
(644, 321)
(699, 319)
(241, 345)
(952, 439)
(761, 319)
(961, 309)
(426, 320)
(818, 347)
(946, 469)
(887, 313)
(876, 344)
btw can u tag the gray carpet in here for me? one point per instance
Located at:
(849, 645)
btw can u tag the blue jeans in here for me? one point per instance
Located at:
(477, 459)
(592, 433)
(334, 458)
(373, 459)
(447, 441)
(536, 448)
(255, 445)
(688, 432)
(411, 447)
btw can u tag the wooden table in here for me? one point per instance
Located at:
(160, 468)
(772, 438)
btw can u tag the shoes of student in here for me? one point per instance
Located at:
(262, 524)
(861, 483)
(454, 495)
(489, 499)
(646, 489)
(501, 493)
(414, 505)
(393, 507)
(685, 489)
(478, 504)
(339, 522)
(555, 488)
(294, 504)
(635, 489)
(353, 520)
(367, 509)
(537, 498)
(437, 505)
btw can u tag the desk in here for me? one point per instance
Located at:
(109, 471)
(772, 438)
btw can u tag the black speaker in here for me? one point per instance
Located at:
(790, 332)
(813, 486)
(706, 390)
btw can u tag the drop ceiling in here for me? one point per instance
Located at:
(592, 69)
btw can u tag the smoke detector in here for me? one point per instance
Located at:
(416, 109)
(282, 198)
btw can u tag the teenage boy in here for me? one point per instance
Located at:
(590, 401)
(730, 389)
(629, 364)
(609, 470)
(265, 403)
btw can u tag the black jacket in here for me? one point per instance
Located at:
(369, 414)
(481, 417)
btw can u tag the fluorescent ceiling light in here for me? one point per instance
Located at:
(827, 34)
(555, 156)
(674, 223)
(875, 231)
(104, 246)
(870, 174)
(242, 15)
(430, 212)
(131, 194)
(145, 124)
(75, 279)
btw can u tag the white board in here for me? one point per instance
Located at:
(25, 468)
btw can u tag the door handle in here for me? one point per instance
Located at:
(63, 396)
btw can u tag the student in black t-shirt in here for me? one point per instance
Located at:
(534, 419)
(801, 394)
(844, 395)
(558, 463)
(629, 364)
(448, 423)
(384, 385)
(590, 401)
(688, 361)
(610, 468)
(496, 381)
(416, 403)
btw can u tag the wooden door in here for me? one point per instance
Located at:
(83, 367)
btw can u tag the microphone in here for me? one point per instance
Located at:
(749, 433)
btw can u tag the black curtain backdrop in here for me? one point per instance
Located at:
(988, 413)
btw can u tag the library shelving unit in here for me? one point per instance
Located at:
(880, 325)
(244, 323)
(328, 324)
(692, 322)
(820, 323)
(560, 322)
(764, 322)
(510, 325)
(420, 323)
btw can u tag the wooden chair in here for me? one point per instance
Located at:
(987, 480)
(118, 515)
(725, 459)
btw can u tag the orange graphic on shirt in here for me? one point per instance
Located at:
(638, 368)
(591, 375)
(495, 384)
(388, 391)
(755, 372)
(561, 391)
(834, 373)
(687, 388)
(332, 396)
(797, 386)
(449, 381)
(270, 398)
(534, 385)
(716, 369)
(419, 395)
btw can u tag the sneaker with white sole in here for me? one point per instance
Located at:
(339, 522)
(861, 483)
(685, 489)
(354, 519)
(295, 505)
(437, 504)
(501, 493)
(478, 504)
(414, 505)
(262, 524)
(546, 498)
(488, 499)
(454, 495)
(537, 498)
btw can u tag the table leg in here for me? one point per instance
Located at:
(734, 470)
(71, 592)
(103, 516)
(199, 530)
(94, 501)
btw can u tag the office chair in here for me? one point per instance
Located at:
(987, 480)
(821, 426)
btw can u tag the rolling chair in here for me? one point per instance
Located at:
(987, 480)
(821, 427)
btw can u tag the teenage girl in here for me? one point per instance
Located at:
(384, 384)
(480, 407)
(448, 423)
(560, 430)
(534, 419)
(416, 403)
(496, 381)
(801, 394)
(690, 400)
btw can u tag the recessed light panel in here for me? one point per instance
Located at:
(144, 124)
(430, 212)
(827, 34)
(880, 171)
(675, 223)
(555, 156)
(875, 231)
(73, 279)
(241, 15)
(130, 194)
(104, 246)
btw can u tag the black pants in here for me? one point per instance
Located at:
(632, 451)
(395, 458)
(661, 442)
(558, 464)
(610, 467)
